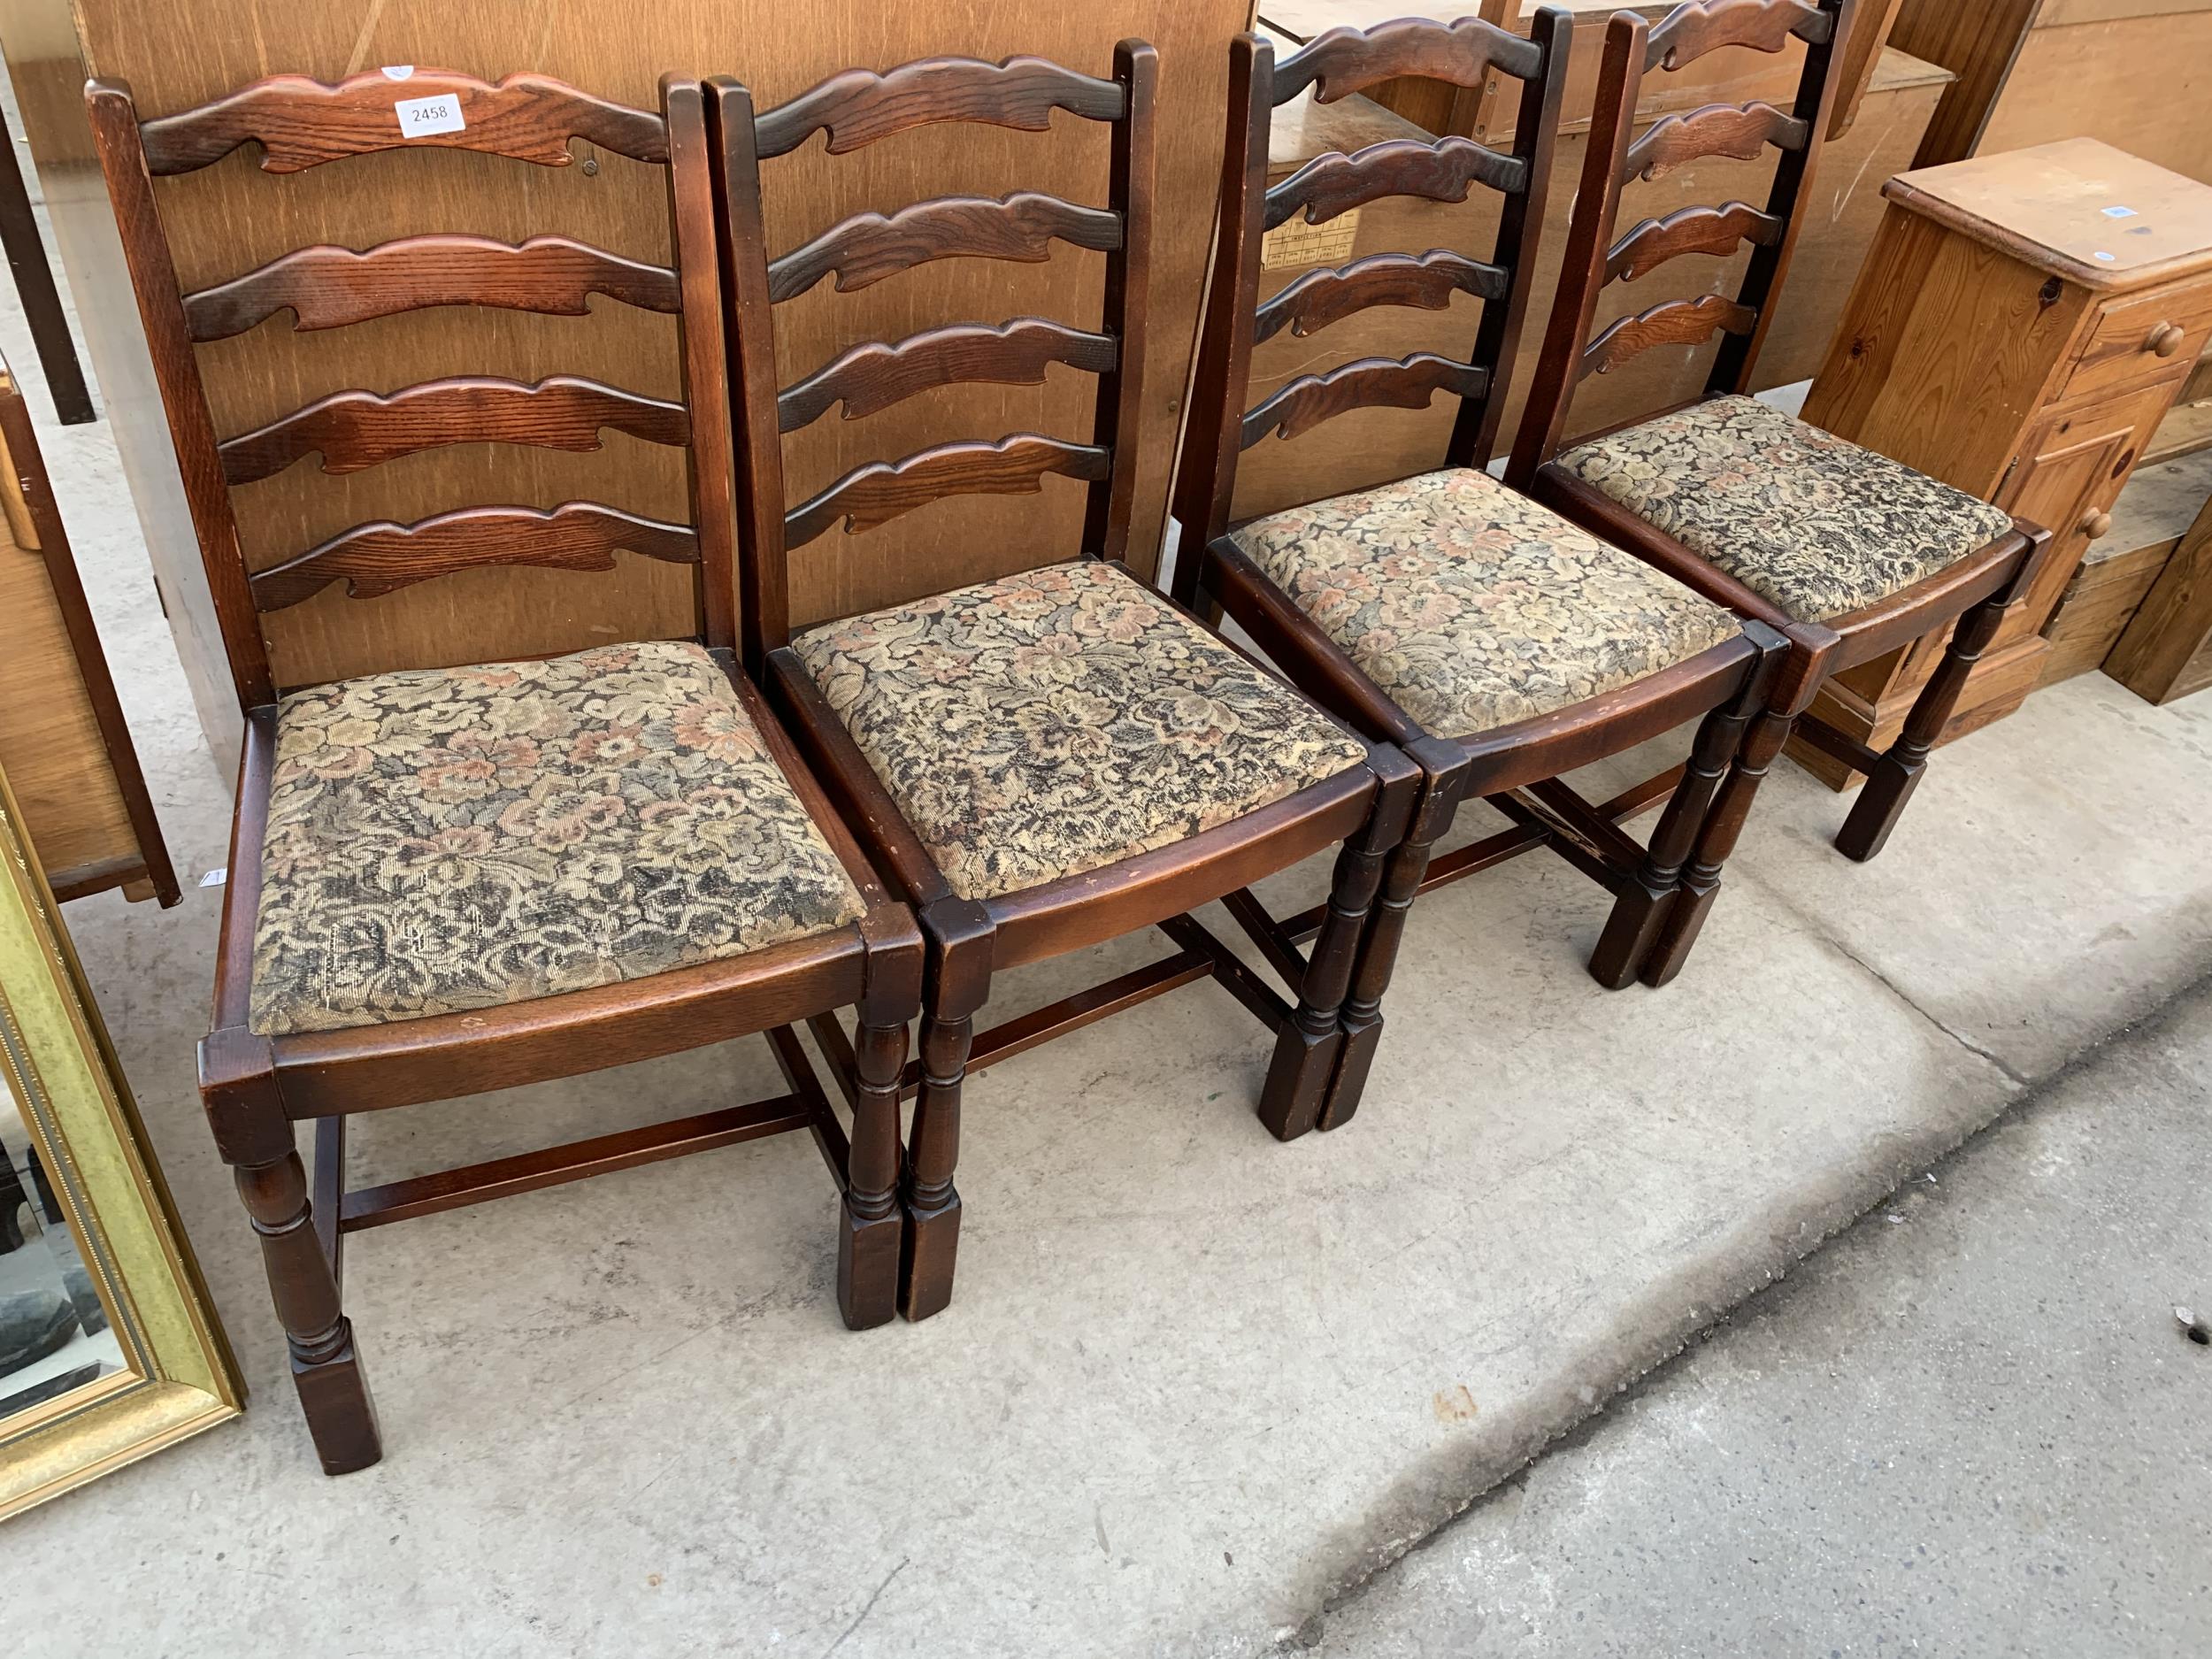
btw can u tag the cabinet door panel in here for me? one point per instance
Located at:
(2072, 468)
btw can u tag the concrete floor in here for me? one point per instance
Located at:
(1195, 1385)
(1970, 1427)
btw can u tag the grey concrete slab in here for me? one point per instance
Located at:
(1970, 1427)
(1195, 1383)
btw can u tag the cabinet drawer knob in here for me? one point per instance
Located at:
(2096, 525)
(2165, 340)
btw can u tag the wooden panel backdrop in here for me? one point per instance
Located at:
(229, 218)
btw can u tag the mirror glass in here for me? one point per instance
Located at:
(54, 1329)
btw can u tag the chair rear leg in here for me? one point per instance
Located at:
(239, 1088)
(959, 980)
(1881, 802)
(1444, 774)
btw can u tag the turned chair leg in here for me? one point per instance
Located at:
(1652, 891)
(1308, 1044)
(326, 1369)
(1444, 776)
(1890, 785)
(933, 1205)
(1701, 883)
(238, 1087)
(872, 1231)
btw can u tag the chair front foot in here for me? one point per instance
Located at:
(868, 1253)
(1362, 1036)
(931, 1244)
(1881, 802)
(1630, 931)
(1298, 1075)
(341, 1416)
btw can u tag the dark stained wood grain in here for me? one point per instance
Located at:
(874, 375)
(354, 430)
(1714, 230)
(860, 106)
(880, 491)
(1397, 383)
(1740, 132)
(1440, 172)
(1675, 323)
(327, 286)
(380, 557)
(1343, 60)
(868, 247)
(1690, 31)
(1426, 282)
(300, 122)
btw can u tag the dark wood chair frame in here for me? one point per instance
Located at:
(256, 1087)
(1517, 768)
(1365, 807)
(1973, 592)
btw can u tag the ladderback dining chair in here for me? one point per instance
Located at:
(1061, 756)
(1499, 645)
(1847, 553)
(450, 880)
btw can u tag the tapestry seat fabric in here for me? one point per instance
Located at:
(1062, 720)
(1814, 522)
(1472, 606)
(451, 839)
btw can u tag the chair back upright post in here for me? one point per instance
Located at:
(1335, 65)
(1594, 258)
(856, 108)
(300, 123)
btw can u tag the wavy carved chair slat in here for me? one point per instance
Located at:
(1343, 60)
(1442, 171)
(495, 1004)
(1421, 281)
(1740, 132)
(873, 495)
(1689, 32)
(1714, 230)
(382, 557)
(1675, 323)
(355, 430)
(1615, 159)
(1391, 382)
(872, 376)
(325, 287)
(861, 106)
(868, 247)
(300, 122)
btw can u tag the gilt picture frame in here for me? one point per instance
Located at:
(168, 1371)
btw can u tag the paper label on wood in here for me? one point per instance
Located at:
(1297, 243)
(419, 117)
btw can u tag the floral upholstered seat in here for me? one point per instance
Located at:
(462, 838)
(1474, 606)
(1061, 720)
(1814, 522)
